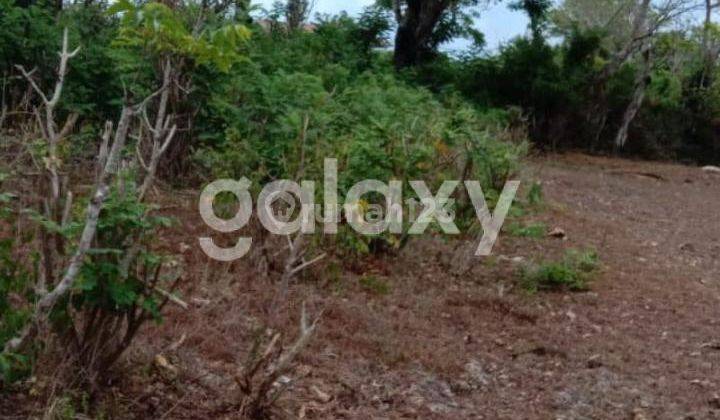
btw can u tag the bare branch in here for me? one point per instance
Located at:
(305, 265)
(157, 153)
(69, 125)
(174, 299)
(259, 399)
(67, 212)
(30, 80)
(103, 153)
(48, 301)
(62, 71)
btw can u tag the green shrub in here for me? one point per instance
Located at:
(531, 230)
(280, 124)
(374, 285)
(119, 286)
(571, 273)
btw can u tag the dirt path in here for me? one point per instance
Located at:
(402, 338)
(653, 320)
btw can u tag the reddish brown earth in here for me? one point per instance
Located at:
(643, 343)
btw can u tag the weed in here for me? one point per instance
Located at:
(532, 230)
(571, 273)
(374, 285)
(535, 196)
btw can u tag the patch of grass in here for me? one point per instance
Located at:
(535, 196)
(333, 277)
(531, 230)
(61, 409)
(374, 285)
(572, 273)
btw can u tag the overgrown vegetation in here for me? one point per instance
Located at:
(100, 101)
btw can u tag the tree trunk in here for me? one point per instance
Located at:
(707, 49)
(639, 31)
(641, 83)
(416, 24)
(406, 48)
(296, 13)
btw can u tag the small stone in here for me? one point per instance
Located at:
(162, 363)
(715, 345)
(687, 247)
(322, 396)
(639, 414)
(558, 233)
(571, 315)
(594, 362)
(711, 169)
(701, 383)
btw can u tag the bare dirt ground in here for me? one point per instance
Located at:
(643, 343)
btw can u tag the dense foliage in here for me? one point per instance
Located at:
(245, 98)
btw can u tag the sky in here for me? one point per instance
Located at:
(497, 22)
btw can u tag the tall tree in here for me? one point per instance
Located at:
(425, 24)
(297, 12)
(537, 11)
(709, 49)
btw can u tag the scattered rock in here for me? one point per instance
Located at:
(201, 301)
(558, 233)
(688, 247)
(639, 414)
(594, 362)
(711, 169)
(322, 396)
(570, 314)
(715, 345)
(475, 374)
(701, 383)
(714, 402)
(536, 350)
(162, 363)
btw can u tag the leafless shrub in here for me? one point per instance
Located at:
(95, 338)
(262, 380)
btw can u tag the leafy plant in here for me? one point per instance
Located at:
(122, 284)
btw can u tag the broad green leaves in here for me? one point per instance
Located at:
(155, 29)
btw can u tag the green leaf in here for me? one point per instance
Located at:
(121, 6)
